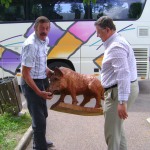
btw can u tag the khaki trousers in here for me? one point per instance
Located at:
(113, 127)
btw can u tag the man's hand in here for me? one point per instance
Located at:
(122, 111)
(45, 95)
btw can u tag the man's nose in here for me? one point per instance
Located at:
(45, 30)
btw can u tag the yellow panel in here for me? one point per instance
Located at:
(65, 47)
(99, 60)
(1, 51)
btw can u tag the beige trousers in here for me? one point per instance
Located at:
(113, 127)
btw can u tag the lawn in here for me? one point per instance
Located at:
(12, 129)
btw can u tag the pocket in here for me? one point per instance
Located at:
(40, 85)
(22, 81)
(42, 52)
(46, 83)
(25, 89)
(114, 94)
(108, 95)
(108, 100)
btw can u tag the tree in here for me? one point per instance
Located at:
(88, 8)
(89, 1)
(135, 10)
(77, 9)
(5, 3)
(46, 8)
(59, 8)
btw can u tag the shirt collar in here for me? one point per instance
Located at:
(107, 42)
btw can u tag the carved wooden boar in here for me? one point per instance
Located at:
(69, 82)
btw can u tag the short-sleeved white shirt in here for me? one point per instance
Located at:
(34, 55)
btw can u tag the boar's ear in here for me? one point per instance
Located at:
(58, 72)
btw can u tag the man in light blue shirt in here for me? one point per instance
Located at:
(34, 80)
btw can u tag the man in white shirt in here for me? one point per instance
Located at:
(34, 80)
(119, 78)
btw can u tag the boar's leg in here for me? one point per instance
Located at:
(98, 101)
(99, 96)
(61, 99)
(74, 99)
(85, 100)
(95, 90)
(62, 96)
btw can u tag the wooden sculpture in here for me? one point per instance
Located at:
(69, 82)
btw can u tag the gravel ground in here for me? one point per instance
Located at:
(73, 132)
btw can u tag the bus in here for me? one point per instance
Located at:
(73, 40)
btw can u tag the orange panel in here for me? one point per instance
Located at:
(65, 47)
(1, 51)
(99, 60)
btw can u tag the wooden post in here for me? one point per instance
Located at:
(10, 99)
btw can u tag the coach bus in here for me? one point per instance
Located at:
(73, 40)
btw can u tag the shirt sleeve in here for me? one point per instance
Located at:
(121, 68)
(28, 56)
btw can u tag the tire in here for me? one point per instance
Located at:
(53, 65)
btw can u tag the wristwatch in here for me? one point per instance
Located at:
(121, 102)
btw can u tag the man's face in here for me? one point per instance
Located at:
(42, 30)
(102, 33)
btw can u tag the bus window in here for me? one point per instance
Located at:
(70, 10)
(118, 9)
(15, 12)
(20, 10)
(76, 9)
(57, 9)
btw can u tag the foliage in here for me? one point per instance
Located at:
(88, 1)
(135, 10)
(10, 108)
(11, 129)
(59, 8)
(75, 6)
(5, 2)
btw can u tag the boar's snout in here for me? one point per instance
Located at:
(54, 87)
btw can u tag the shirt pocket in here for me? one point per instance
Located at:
(42, 51)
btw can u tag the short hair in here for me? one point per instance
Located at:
(41, 19)
(104, 22)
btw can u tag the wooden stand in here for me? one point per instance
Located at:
(78, 110)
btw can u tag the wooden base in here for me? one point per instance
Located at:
(78, 110)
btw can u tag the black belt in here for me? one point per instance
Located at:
(38, 80)
(113, 86)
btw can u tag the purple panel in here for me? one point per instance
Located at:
(10, 61)
(54, 34)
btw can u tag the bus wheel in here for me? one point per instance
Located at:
(53, 65)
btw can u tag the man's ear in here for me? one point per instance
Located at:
(108, 30)
(35, 28)
(58, 72)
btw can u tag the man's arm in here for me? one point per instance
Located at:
(121, 68)
(31, 83)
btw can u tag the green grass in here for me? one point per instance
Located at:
(12, 129)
